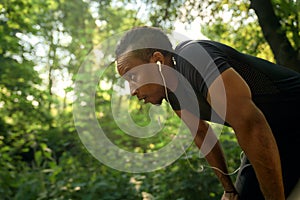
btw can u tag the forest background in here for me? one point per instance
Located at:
(42, 46)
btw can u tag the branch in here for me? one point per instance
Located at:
(279, 43)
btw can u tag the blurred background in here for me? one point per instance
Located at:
(42, 46)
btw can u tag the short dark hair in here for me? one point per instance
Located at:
(143, 42)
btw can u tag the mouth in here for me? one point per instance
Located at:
(147, 100)
(144, 98)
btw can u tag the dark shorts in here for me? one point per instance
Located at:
(248, 187)
(284, 119)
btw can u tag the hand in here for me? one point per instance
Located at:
(230, 196)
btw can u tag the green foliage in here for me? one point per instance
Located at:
(41, 155)
(289, 13)
(233, 22)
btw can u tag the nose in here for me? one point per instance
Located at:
(133, 92)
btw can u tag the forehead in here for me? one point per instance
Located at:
(127, 62)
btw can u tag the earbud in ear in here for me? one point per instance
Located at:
(159, 65)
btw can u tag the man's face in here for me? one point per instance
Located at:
(144, 79)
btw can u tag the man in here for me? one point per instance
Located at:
(257, 98)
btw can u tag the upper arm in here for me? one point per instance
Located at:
(230, 96)
(201, 63)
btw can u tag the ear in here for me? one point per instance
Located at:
(157, 57)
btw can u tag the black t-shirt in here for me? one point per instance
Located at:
(202, 61)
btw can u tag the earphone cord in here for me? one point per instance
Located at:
(164, 82)
(216, 168)
(201, 166)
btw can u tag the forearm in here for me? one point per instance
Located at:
(220, 163)
(210, 147)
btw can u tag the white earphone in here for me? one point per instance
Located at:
(163, 79)
(159, 65)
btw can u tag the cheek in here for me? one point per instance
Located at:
(153, 89)
(147, 75)
(148, 84)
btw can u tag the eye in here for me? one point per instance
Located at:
(131, 77)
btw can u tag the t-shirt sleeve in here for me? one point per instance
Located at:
(183, 97)
(201, 63)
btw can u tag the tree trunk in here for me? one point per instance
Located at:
(281, 47)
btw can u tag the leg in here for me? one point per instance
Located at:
(290, 166)
(283, 118)
(295, 194)
(247, 184)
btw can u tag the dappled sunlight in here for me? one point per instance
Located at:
(69, 125)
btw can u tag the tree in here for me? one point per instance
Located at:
(41, 156)
(277, 28)
(277, 21)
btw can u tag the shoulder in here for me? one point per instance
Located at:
(200, 53)
(196, 43)
(199, 49)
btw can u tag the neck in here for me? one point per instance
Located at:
(170, 73)
(171, 78)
